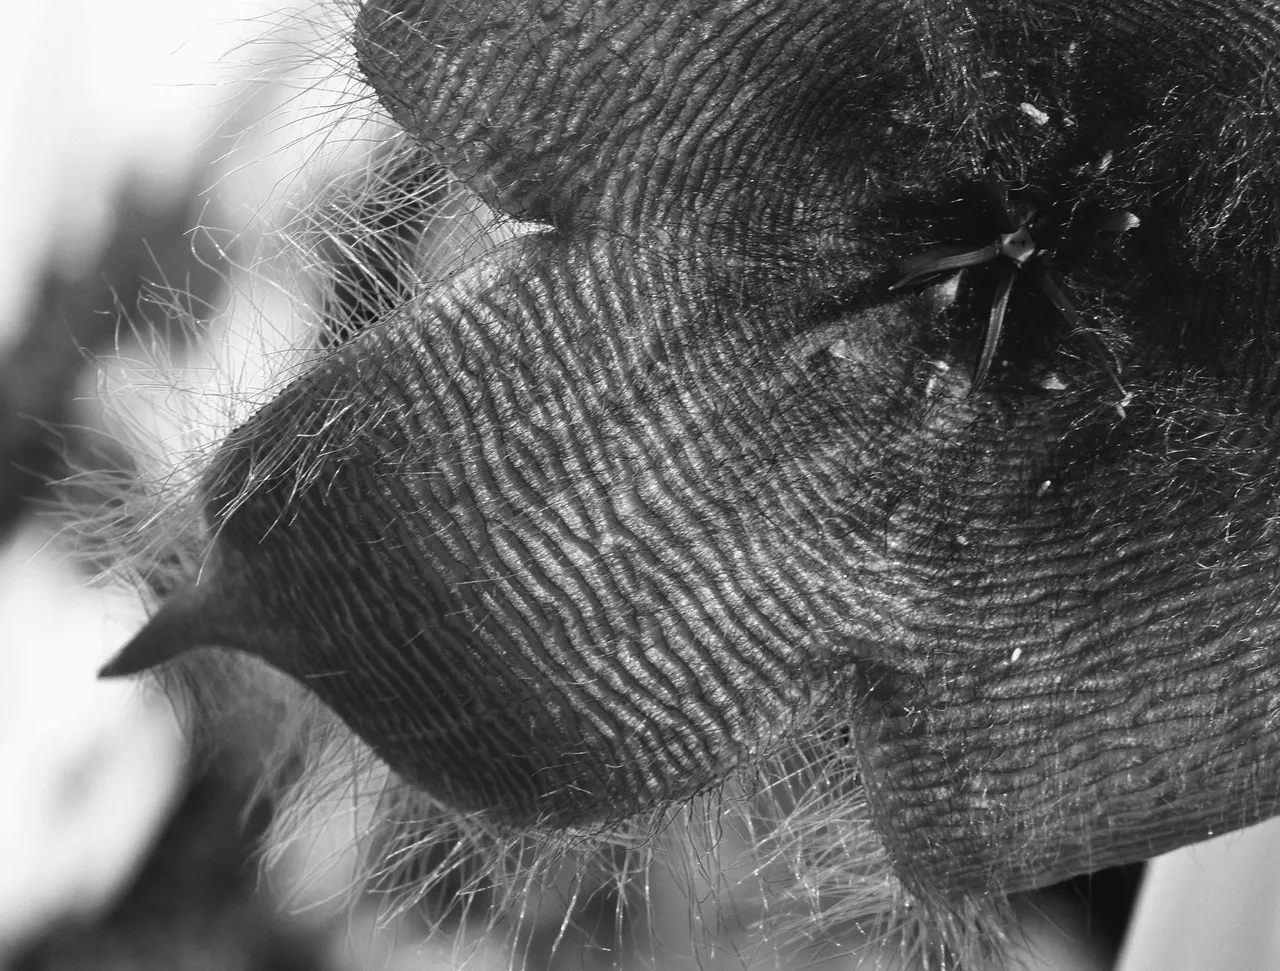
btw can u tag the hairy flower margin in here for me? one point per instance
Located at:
(778, 862)
(773, 231)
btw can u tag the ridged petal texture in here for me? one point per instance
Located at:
(653, 491)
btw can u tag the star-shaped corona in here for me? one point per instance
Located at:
(1031, 237)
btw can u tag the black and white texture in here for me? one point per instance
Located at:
(675, 497)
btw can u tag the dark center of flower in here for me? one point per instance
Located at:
(1031, 243)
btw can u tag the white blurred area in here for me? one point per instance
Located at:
(96, 94)
(87, 770)
(1210, 906)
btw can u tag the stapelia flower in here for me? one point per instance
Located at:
(679, 487)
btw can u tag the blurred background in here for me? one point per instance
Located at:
(125, 127)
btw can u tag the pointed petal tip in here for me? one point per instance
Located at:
(149, 647)
(181, 624)
(119, 666)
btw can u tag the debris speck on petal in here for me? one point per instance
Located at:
(1037, 115)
